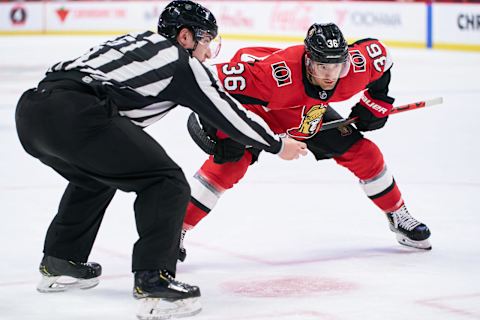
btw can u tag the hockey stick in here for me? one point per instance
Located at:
(207, 144)
(406, 107)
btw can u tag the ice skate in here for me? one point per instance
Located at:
(182, 253)
(163, 297)
(408, 230)
(61, 275)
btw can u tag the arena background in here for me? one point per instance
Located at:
(419, 24)
(295, 240)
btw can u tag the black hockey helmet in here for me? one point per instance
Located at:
(325, 43)
(178, 14)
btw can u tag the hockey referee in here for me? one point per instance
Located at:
(85, 120)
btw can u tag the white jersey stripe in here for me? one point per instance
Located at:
(159, 105)
(136, 68)
(133, 46)
(145, 123)
(154, 38)
(150, 110)
(104, 58)
(155, 88)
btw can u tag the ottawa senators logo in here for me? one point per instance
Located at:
(312, 118)
(18, 15)
(358, 61)
(281, 73)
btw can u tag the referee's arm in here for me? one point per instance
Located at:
(197, 89)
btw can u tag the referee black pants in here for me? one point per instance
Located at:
(98, 152)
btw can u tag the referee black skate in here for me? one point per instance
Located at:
(85, 120)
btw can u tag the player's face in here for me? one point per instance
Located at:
(206, 39)
(202, 53)
(325, 75)
(206, 46)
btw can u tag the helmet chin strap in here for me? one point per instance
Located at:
(193, 49)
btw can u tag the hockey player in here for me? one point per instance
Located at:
(85, 120)
(291, 89)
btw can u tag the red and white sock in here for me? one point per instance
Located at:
(208, 185)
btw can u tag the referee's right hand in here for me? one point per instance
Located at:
(292, 149)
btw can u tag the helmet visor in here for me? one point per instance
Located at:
(322, 70)
(208, 39)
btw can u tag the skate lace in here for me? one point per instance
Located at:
(404, 219)
(175, 283)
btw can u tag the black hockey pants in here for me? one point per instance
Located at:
(98, 152)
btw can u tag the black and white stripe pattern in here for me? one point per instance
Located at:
(145, 76)
(150, 114)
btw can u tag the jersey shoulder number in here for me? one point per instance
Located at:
(376, 53)
(235, 74)
(233, 78)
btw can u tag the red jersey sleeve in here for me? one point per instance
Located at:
(250, 54)
(244, 76)
(378, 64)
(378, 58)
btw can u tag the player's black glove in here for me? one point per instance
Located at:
(226, 150)
(372, 114)
(223, 150)
(367, 121)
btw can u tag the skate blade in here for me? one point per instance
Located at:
(159, 309)
(64, 283)
(423, 244)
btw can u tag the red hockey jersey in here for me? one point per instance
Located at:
(273, 83)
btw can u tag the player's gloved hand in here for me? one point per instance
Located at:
(372, 113)
(228, 150)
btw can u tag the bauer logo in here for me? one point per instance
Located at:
(281, 73)
(358, 61)
(372, 105)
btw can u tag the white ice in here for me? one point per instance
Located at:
(294, 240)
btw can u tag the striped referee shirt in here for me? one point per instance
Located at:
(145, 76)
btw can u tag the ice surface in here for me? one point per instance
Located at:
(294, 240)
